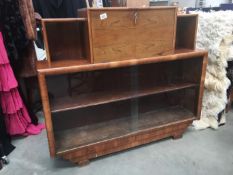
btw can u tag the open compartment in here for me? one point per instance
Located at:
(66, 41)
(186, 31)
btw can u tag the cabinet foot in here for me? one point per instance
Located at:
(177, 136)
(83, 162)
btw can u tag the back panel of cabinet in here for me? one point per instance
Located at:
(186, 31)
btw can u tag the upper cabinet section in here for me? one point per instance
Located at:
(104, 35)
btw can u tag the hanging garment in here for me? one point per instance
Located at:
(17, 30)
(17, 119)
(12, 27)
(5, 142)
(17, 44)
(58, 8)
(27, 13)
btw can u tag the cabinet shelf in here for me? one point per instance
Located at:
(61, 63)
(104, 97)
(62, 20)
(80, 137)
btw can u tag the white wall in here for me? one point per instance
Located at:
(191, 3)
(215, 3)
(186, 3)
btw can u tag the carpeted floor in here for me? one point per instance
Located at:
(197, 153)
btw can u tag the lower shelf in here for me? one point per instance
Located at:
(71, 139)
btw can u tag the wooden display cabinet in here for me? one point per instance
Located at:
(122, 100)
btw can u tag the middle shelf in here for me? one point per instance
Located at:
(103, 97)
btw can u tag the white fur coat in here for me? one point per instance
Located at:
(215, 34)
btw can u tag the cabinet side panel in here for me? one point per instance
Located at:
(45, 37)
(201, 88)
(47, 114)
(90, 35)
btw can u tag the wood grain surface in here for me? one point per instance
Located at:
(127, 34)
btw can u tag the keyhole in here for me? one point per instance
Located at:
(135, 17)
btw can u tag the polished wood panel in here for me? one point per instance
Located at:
(105, 50)
(114, 37)
(132, 33)
(114, 19)
(75, 138)
(155, 33)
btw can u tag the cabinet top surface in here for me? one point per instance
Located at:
(187, 15)
(130, 8)
(72, 66)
